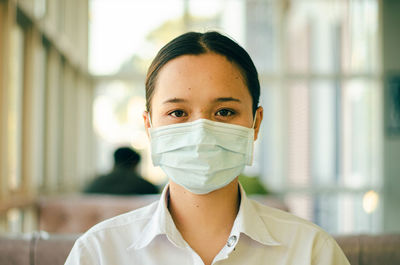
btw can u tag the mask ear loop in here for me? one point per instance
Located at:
(252, 155)
(151, 125)
(254, 120)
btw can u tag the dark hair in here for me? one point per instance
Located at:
(194, 43)
(126, 157)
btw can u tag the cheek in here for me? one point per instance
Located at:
(248, 114)
(249, 120)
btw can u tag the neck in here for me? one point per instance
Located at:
(204, 221)
(213, 213)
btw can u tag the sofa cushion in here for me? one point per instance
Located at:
(371, 249)
(77, 213)
(53, 250)
(350, 245)
(15, 250)
(43, 249)
(379, 249)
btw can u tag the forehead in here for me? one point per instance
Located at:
(209, 71)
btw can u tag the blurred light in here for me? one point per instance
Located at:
(136, 107)
(139, 141)
(14, 220)
(370, 201)
(13, 215)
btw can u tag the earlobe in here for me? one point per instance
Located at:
(259, 117)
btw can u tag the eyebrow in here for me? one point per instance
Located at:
(180, 100)
(226, 99)
(174, 100)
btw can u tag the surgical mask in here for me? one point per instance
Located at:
(203, 155)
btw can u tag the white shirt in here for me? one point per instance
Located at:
(260, 235)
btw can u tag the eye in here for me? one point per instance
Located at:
(177, 113)
(225, 112)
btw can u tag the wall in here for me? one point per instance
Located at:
(390, 10)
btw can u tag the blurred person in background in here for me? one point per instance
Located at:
(123, 179)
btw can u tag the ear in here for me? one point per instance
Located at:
(146, 120)
(257, 125)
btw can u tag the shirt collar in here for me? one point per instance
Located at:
(160, 223)
(248, 221)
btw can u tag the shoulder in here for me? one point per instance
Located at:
(126, 226)
(136, 217)
(285, 226)
(297, 233)
(110, 236)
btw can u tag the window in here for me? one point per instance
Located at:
(14, 113)
(39, 69)
(322, 106)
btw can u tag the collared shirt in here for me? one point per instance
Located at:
(260, 235)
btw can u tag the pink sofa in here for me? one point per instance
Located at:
(371, 249)
(42, 249)
(35, 249)
(76, 214)
(72, 215)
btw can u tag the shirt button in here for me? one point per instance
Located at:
(231, 241)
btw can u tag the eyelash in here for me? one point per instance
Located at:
(231, 112)
(173, 113)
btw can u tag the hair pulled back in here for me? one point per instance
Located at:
(195, 43)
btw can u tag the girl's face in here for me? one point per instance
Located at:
(205, 86)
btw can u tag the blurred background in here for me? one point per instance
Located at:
(72, 90)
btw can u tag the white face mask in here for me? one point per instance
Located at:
(203, 155)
